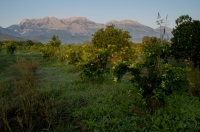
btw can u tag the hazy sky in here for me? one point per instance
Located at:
(100, 11)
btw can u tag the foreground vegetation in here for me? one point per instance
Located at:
(110, 84)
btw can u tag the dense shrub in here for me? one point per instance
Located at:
(109, 44)
(47, 52)
(186, 40)
(55, 42)
(10, 47)
(23, 107)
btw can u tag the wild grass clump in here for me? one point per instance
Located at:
(194, 77)
(25, 108)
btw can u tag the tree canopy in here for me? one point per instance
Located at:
(186, 40)
(55, 42)
(111, 37)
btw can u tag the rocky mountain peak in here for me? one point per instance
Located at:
(130, 22)
(123, 22)
(76, 20)
(73, 29)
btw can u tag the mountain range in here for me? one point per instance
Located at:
(74, 29)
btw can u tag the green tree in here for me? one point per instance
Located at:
(149, 41)
(55, 42)
(159, 79)
(38, 44)
(10, 47)
(106, 43)
(47, 52)
(186, 40)
(1, 43)
(29, 43)
(111, 38)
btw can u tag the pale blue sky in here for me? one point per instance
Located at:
(100, 11)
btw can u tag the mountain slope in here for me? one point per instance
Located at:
(67, 29)
(8, 31)
(74, 29)
(136, 29)
(9, 37)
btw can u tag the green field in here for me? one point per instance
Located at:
(40, 95)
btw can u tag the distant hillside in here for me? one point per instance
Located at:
(9, 37)
(73, 29)
(10, 32)
(136, 29)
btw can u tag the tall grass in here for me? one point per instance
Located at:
(24, 107)
(43, 97)
(194, 77)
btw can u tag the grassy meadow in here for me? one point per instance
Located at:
(37, 95)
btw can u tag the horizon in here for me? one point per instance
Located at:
(144, 12)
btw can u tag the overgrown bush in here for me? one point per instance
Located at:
(186, 40)
(194, 78)
(109, 44)
(47, 52)
(55, 42)
(34, 47)
(95, 65)
(74, 56)
(23, 107)
(10, 47)
(1, 46)
(152, 78)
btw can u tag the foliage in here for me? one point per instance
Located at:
(55, 42)
(39, 96)
(24, 43)
(1, 43)
(178, 115)
(194, 78)
(111, 38)
(74, 55)
(95, 65)
(119, 69)
(10, 47)
(186, 40)
(34, 47)
(29, 42)
(152, 83)
(153, 78)
(47, 52)
(29, 109)
(107, 43)
(149, 41)
(62, 58)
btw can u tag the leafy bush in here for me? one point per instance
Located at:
(185, 43)
(34, 47)
(107, 43)
(153, 80)
(47, 52)
(95, 65)
(194, 78)
(1, 46)
(180, 114)
(62, 58)
(55, 42)
(10, 47)
(74, 56)
(116, 41)
(111, 38)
